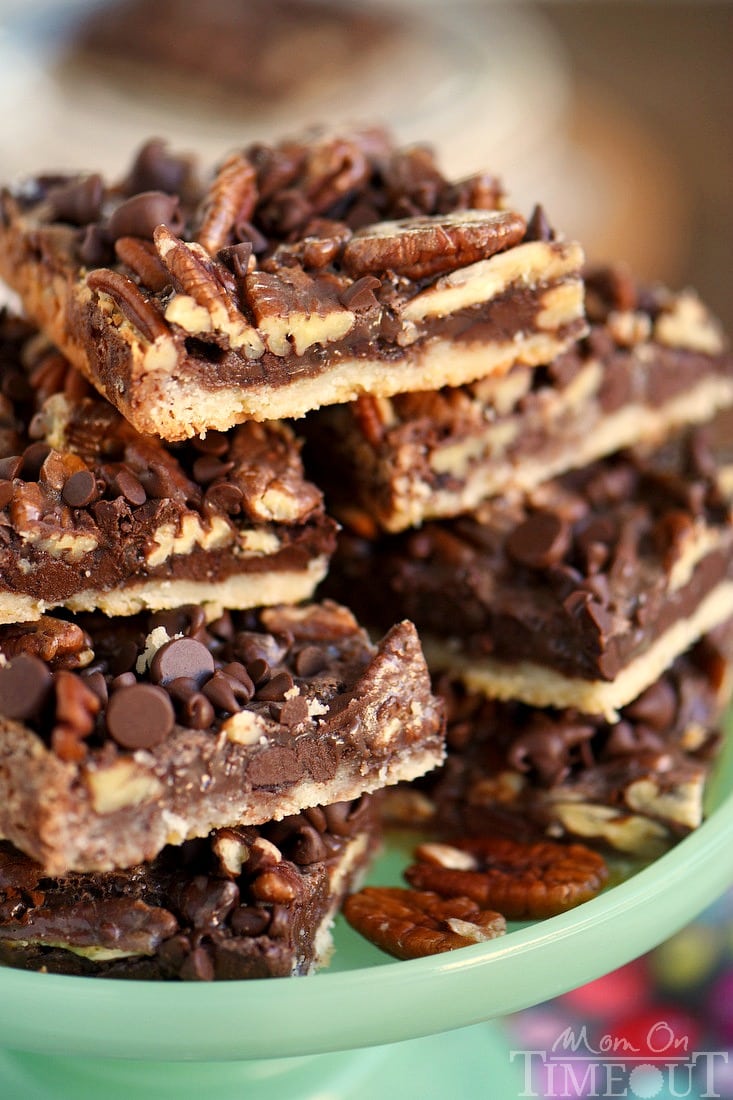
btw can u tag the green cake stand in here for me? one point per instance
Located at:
(369, 1025)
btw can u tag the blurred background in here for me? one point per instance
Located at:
(615, 114)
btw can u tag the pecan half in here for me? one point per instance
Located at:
(424, 246)
(231, 200)
(523, 880)
(132, 303)
(59, 643)
(204, 306)
(141, 258)
(410, 923)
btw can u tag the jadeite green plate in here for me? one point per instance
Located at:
(261, 1037)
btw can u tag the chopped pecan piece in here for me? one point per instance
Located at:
(523, 880)
(411, 923)
(424, 246)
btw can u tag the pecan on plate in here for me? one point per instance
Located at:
(522, 880)
(412, 923)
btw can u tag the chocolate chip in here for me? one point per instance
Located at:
(24, 687)
(130, 487)
(236, 257)
(182, 688)
(213, 443)
(276, 688)
(316, 816)
(339, 818)
(33, 458)
(224, 497)
(259, 670)
(94, 248)
(655, 707)
(239, 672)
(197, 967)
(206, 902)
(140, 716)
(274, 767)
(310, 660)
(156, 169)
(79, 201)
(80, 489)
(123, 680)
(96, 682)
(360, 295)
(182, 657)
(540, 541)
(307, 847)
(124, 656)
(197, 713)
(538, 226)
(293, 711)
(248, 920)
(226, 693)
(208, 467)
(139, 215)
(6, 493)
(249, 234)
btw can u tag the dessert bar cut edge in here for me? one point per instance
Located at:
(239, 591)
(543, 687)
(153, 382)
(397, 507)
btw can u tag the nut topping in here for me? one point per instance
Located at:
(421, 247)
(231, 200)
(208, 307)
(531, 880)
(410, 923)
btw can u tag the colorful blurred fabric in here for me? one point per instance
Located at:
(661, 1026)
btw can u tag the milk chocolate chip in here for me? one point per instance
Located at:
(182, 657)
(140, 716)
(24, 686)
(541, 540)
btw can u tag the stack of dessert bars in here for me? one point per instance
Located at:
(190, 741)
(561, 535)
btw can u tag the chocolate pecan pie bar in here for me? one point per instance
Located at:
(95, 515)
(241, 903)
(119, 736)
(653, 361)
(579, 594)
(636, 785)
(303, 274)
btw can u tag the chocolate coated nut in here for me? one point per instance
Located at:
(24, 686)
(182, 657)
(140, 716)
(410, 924)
